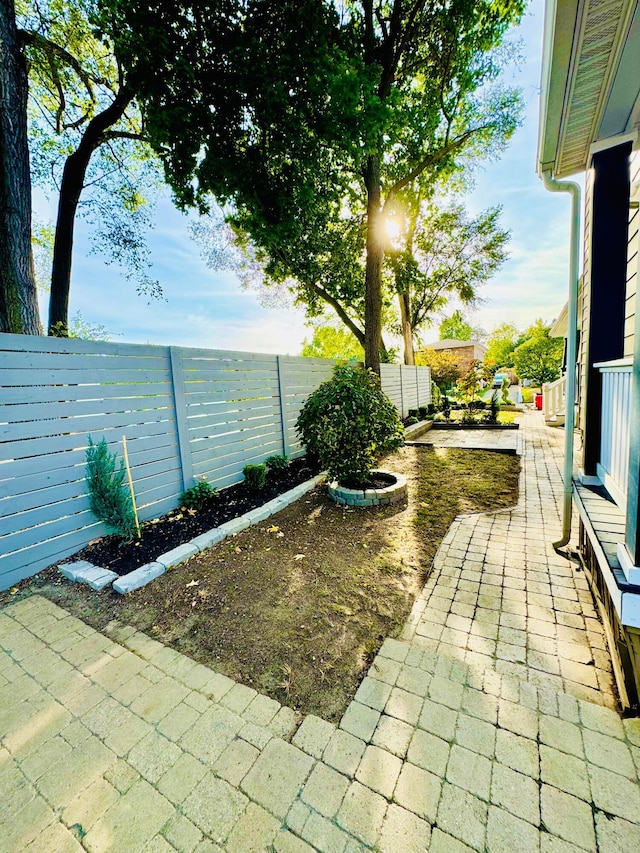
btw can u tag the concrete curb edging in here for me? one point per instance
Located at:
(142, 576)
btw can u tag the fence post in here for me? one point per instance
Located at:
(403, 414)
(180, 405)
(282, 390)
(417, 387)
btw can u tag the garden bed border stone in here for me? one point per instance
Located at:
(394, 492)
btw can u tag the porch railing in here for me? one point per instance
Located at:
(553, 401)
(613, 468)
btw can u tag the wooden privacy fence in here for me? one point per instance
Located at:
(186, 413)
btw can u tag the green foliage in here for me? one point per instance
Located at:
(444, 367)
(109, 498)
(79, 328)
(443, 254)
(468, 418)
(255, 476)
(539, 358)
(348, 423)
(198, 496)
(277, 462)
(299, 113)
(471, 382)
(436, 397)
(332, 342)
(491, 417)
(505, 391)
(85, 136)
(457, 328)
(500, 346)
(527, 395)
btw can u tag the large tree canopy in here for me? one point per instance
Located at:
(313, 119)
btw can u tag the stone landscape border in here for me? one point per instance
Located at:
(394, 492)
(98, 578)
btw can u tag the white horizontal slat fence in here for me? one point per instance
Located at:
(186, 413)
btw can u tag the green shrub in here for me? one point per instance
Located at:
(446, 407)
(348, 423)
(109, 499)
(413, 413)
(277, 463)
(491, 417)
(197, 496)
(255, 476)
(467, 417)
(412, 420)
(527, 395)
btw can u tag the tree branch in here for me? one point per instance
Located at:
(431, 160)
(337, 307)
(32, 38)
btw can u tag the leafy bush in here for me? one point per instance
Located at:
(411, 420)
(413, 413)
(255, 476)
(197, 496)
(467, 417)
(277, 463)
(527, 395)
(109, 499)
(348, 423)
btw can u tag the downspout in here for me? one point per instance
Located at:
(572, 320)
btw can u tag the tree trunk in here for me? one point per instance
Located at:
(407, 329)
(73, 175)
(373, 274)
(18, 294)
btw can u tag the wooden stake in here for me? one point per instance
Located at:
(133, 496)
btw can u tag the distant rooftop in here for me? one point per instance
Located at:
(450, 343)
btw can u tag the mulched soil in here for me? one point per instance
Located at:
(181, 525)
(298, 607)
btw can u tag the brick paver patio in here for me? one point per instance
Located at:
(489, 725)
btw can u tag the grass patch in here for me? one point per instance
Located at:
(298, 608)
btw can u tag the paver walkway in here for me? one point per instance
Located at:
(490, 725)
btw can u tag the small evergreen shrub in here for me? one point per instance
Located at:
(412, 420)
(413, 413)
(467, 417)
(277, 463)
(491, 417)
(432, 409)
(198, 496)
(348, 423)
(109, 498)
(446, 407)
(255, 476)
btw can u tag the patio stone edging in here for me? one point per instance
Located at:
(142, 576)
(413, 431)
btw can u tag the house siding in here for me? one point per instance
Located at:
(583, 355)
(632, 264)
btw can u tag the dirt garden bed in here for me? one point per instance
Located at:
(181, 524)
(298, 607)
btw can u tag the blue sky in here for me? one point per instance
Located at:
(209, 309)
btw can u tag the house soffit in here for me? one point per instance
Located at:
(592, 59)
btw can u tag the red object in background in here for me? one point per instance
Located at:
(538, 401)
